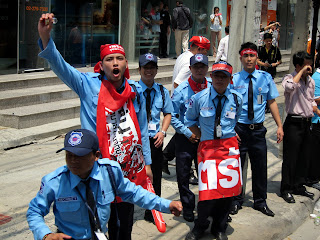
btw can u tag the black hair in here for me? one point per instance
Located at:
(248, 45)
(299, 57)
(226, 29)
(180, 2)
(214, 9)
(267, 35)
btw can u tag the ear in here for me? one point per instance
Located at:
(97, 155)
(100, 63)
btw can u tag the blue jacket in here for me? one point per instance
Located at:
(87, 86)
(71, 213)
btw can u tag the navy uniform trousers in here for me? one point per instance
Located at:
(254, 143)
(186, 151)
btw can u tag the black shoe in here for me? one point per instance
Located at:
(174, 57)
(220, 236)
(148, 216)
(195, 234)
(288, 197)
(229, 219)
(188, 216)
(235, 209)
(265, 210)
(305, 193)
(193, 180)
(165, 168)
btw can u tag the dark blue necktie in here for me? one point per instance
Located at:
(250, 99)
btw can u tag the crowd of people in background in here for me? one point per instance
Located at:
(214, 118)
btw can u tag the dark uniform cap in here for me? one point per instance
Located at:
(199, 58)
(80, 142)
(147, 58)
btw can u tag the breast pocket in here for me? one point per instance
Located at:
(264, 92)
(207, 117)
(103, 203)
(69, 211)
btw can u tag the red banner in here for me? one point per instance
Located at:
(219, 169)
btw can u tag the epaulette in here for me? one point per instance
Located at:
(105, 161)
(56, 173)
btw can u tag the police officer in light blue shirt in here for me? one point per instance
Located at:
(157, 100)
(68, 186)
(187, 142)
(202, 110)
(206, 111)
(257, 89)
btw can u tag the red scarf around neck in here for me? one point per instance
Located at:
(197, 87)
(119, 132)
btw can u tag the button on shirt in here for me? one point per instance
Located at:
(87, 86)
(180, 101)
(157, 105)
(316, 78)
(202, 110)
(262, 84)
(299, 97)
(71, 213)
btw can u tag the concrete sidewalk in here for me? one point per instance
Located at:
(35, 160)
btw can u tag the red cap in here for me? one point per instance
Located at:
(201, 42)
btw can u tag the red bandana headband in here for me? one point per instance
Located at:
(248, 51)
(111, 49)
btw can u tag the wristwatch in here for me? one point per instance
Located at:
(164, 133)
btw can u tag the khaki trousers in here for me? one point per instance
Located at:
(182, 38)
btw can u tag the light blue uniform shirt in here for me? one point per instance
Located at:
(71, 213)
(316, 78)
(157, 105)
(202, 110)
(87, 86)
(262, 84)
(180, 101)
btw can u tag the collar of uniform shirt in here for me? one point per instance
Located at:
(245, 74)
(144, 86)
(213, 93)
(95, 174)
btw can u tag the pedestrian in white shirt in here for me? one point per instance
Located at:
(223, 47)
(216, 23)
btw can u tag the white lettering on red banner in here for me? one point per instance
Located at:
(219, 169)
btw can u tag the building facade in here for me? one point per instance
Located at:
(84, 25)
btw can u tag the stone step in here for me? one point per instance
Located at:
(39, 114)
(36, 95)
(11, 137)
(47, 78)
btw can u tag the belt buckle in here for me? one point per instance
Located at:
(251, 126)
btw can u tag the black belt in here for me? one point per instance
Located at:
(252, 126)
(298, 118)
